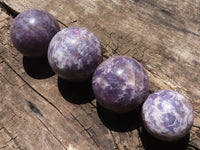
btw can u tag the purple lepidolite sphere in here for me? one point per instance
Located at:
(74, 53)
(32, 30)
(167, 115)
(120, 84)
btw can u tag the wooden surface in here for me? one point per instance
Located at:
(39, 111)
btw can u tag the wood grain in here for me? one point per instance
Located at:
(40, 111)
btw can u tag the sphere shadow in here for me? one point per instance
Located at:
(76, 92)
(37, 68)
(120, 122)
(151, 143)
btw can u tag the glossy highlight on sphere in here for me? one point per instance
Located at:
(32, 30)
(120, 84)
(167, 115)
(74, 53)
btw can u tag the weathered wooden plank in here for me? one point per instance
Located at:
(163, 35)
(84, 120)
(145, 30)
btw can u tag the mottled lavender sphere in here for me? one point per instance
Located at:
(120, 84)
(74, 53)
(167, 115)
(31, 32)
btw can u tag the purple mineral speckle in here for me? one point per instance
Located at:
(74, 53)
(32, 30)
(167, 115)
(120, 84)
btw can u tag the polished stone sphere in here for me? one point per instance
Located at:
(120, 84)
(31, 32)
(167, 115)
(74, 53)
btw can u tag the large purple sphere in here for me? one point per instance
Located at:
(120, 84)
(32, 30)
(167, 115)
(74, 53)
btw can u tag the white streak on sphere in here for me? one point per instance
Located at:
(60, 56)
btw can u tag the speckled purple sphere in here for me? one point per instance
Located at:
(74, 53)
(120, 84)
(31, 32)
(167, 115)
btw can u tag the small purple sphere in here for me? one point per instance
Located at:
(167, 115)
(74, 53)
(31, 32)
(120, 84)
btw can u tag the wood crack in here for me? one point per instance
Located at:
(51, 133)
(114, 141)
(43, 97)
(62, 23)
(193, 147)
(85, 129)
(10, 11)
(11, 137)
(3, 76)
(196, 126)
(116, 145)
(2, 147)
